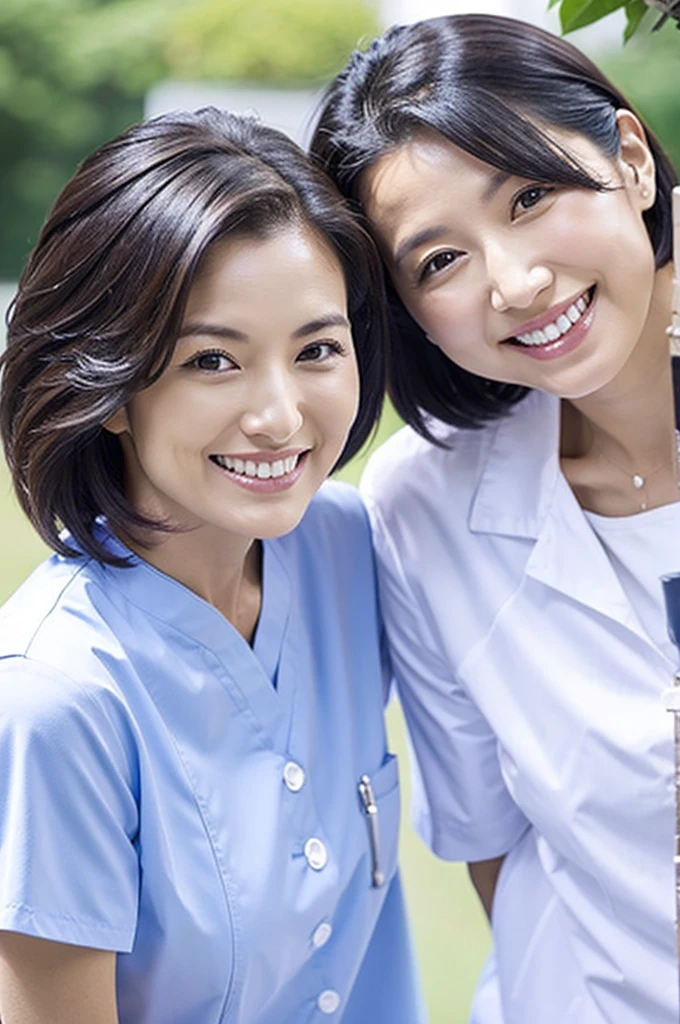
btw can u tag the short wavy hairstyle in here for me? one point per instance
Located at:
(494, 87)
(101, 299)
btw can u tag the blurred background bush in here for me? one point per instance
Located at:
(75, 72)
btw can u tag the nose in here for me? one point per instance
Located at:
(273, 410)
(516, 278)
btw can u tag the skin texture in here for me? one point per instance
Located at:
(476, 255)
(265, 363)
(249, 377)
(43, 982)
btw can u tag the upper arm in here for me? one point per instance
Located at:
(463, 809)
(68, 812)
(44, 982)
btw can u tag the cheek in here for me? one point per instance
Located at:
(454, 319)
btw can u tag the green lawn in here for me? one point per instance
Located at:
(450, 929)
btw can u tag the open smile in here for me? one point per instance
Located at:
(557, 332)
(263, 473)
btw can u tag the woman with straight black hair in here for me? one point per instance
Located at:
(198, 814)
(523, 518)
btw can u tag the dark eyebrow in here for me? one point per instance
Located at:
(230, 334)
(432, 234)
(420, 238)
(497, 181)
(212, 330)
(314, 326)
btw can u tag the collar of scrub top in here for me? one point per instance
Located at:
(165, 598)
(521, 469)
(523, 493)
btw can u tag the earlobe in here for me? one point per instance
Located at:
(636, 158)
(118, 423)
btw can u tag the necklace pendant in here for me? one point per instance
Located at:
(638, 481)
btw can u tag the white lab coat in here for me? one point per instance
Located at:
(533, 699)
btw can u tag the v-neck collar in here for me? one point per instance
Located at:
(170, 601)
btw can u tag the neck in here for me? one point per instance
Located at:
(627, 428)
(224, 571)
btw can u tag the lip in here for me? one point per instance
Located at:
(566, 343)
(272, 485)
(549, 317)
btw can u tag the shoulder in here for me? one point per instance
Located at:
(49, 588)
(52, 633)
(411, 476)
(336, 516)
(331, 548)
(54, 718)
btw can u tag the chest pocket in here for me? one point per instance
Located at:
(380, 806)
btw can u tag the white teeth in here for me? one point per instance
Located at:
(551, 332)
(261, 470)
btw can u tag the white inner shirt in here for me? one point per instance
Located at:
(642, 548)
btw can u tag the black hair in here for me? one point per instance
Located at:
(102, 297)
(494, 87)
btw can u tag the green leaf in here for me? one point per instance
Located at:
(635, 12)
(579, 13)
(554, 3)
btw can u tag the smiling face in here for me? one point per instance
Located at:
(547, 286)
(254, 409)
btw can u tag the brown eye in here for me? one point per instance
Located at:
(530, 197)
(440, 261)
(320, 351)
(212, 362)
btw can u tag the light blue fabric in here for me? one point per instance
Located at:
(143, 807)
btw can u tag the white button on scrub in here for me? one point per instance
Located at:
(321, 934)
(328, 1001)
(316, 854)
(293, 776)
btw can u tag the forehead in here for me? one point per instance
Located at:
(424, 159)
(429, 174)
(240, 257)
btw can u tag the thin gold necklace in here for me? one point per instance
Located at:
(639, 480)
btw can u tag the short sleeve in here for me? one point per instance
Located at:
(68, 816)
(461, 806)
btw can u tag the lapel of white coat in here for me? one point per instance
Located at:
(523, 494)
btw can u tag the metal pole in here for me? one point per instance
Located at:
(671, 584)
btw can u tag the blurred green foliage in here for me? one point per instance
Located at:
(73, 73)
(284, 42)
(647, 71)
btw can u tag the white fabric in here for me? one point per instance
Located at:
(643, 548)
(533, 699)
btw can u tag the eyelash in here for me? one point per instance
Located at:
(333, 347)
(427, 269)
(541, 190)
(195, 360)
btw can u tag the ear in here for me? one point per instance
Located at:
(118, 423)
(637, 162)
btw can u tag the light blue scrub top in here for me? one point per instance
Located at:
(170, 793)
